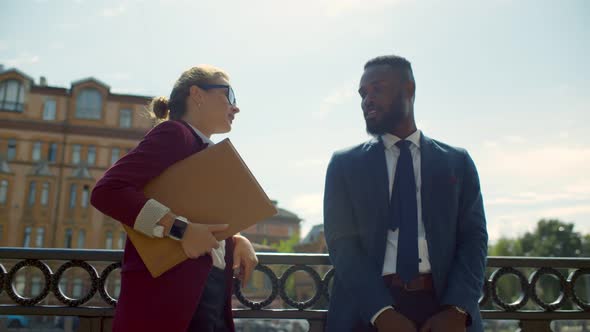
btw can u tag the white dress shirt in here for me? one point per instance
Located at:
(392, 153)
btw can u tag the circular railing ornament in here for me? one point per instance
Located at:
(258, 305)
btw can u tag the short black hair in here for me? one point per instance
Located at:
(398, 63)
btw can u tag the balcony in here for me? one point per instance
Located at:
(283, 272)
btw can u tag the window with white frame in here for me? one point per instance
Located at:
(45, 194)
(68, 238)
(76, 149)
(89, 104)
(49, 109)
(115, 153)
(121, 241)
(11, 153)
(3, 191)
(91, 157)
(37, 151)
(81, 238)
(85, 196)
(32, 192)
(52, 152)
(73, 192)
(125, 117)
(27, 237)
(108, 240)
(12, 96)
(39, 239)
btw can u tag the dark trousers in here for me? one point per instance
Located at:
(209, 316)
(417, 306)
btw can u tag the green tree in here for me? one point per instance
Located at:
(551, 238)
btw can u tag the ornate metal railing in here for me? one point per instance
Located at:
(533, 313)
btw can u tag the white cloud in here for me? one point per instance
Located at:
(334, 99)
(114, 11)
(57, 45)
(338, 7)
(309, 205)
(317, 163)
(22, 59)
(3, 45)
(120, 76)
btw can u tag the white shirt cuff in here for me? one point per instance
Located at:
(149, 215)
(379, 313)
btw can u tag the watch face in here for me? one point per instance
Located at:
(178, 228)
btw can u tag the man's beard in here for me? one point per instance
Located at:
(389, 120)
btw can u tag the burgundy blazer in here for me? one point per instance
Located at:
(166, 303)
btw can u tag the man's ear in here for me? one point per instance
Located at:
(410, 89)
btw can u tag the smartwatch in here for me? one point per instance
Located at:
(178, 228)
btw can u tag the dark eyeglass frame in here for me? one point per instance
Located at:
(231, 97)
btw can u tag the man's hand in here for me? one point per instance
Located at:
(244, 258)
(391, 320)
(448, 320)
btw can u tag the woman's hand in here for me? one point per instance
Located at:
(244, 258)
(199, 239)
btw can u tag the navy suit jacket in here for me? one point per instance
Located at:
(356, 203)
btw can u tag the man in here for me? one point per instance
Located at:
(404, 220)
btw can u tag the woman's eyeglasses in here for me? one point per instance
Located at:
(231, 97)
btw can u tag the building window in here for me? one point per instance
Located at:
(52, 153)
(73, 190)
(125, 119)
(35, 286)
(108, 242)
(20, 284)
(121, 241)
(68, 238)
(76, 148)
(12, 96)
(45, 194)
(117, 290)
(27, 237)
(77, 288)
(1, 232)
(81, 238)
(91, 158)
(89, 104)
(3, 191)
(115, 152)
(49, 110)
(85, 196)
(11, 153)
(32, 192)
(40, 237)
(37, 151)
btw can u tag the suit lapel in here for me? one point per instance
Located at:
(428, 158)
(377, 183)
(376, 171)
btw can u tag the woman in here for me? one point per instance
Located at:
(196, 294)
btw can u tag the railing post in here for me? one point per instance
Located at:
(90, 324)
(316, 325)
(535, 326)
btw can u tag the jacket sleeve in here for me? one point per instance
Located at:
(119, 193)
(466, 277)
(354, 269)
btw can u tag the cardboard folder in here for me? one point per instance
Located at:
(213, 186)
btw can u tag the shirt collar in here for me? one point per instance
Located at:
(202, 136)
(389, 140)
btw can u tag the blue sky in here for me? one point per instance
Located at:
(508, 80)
